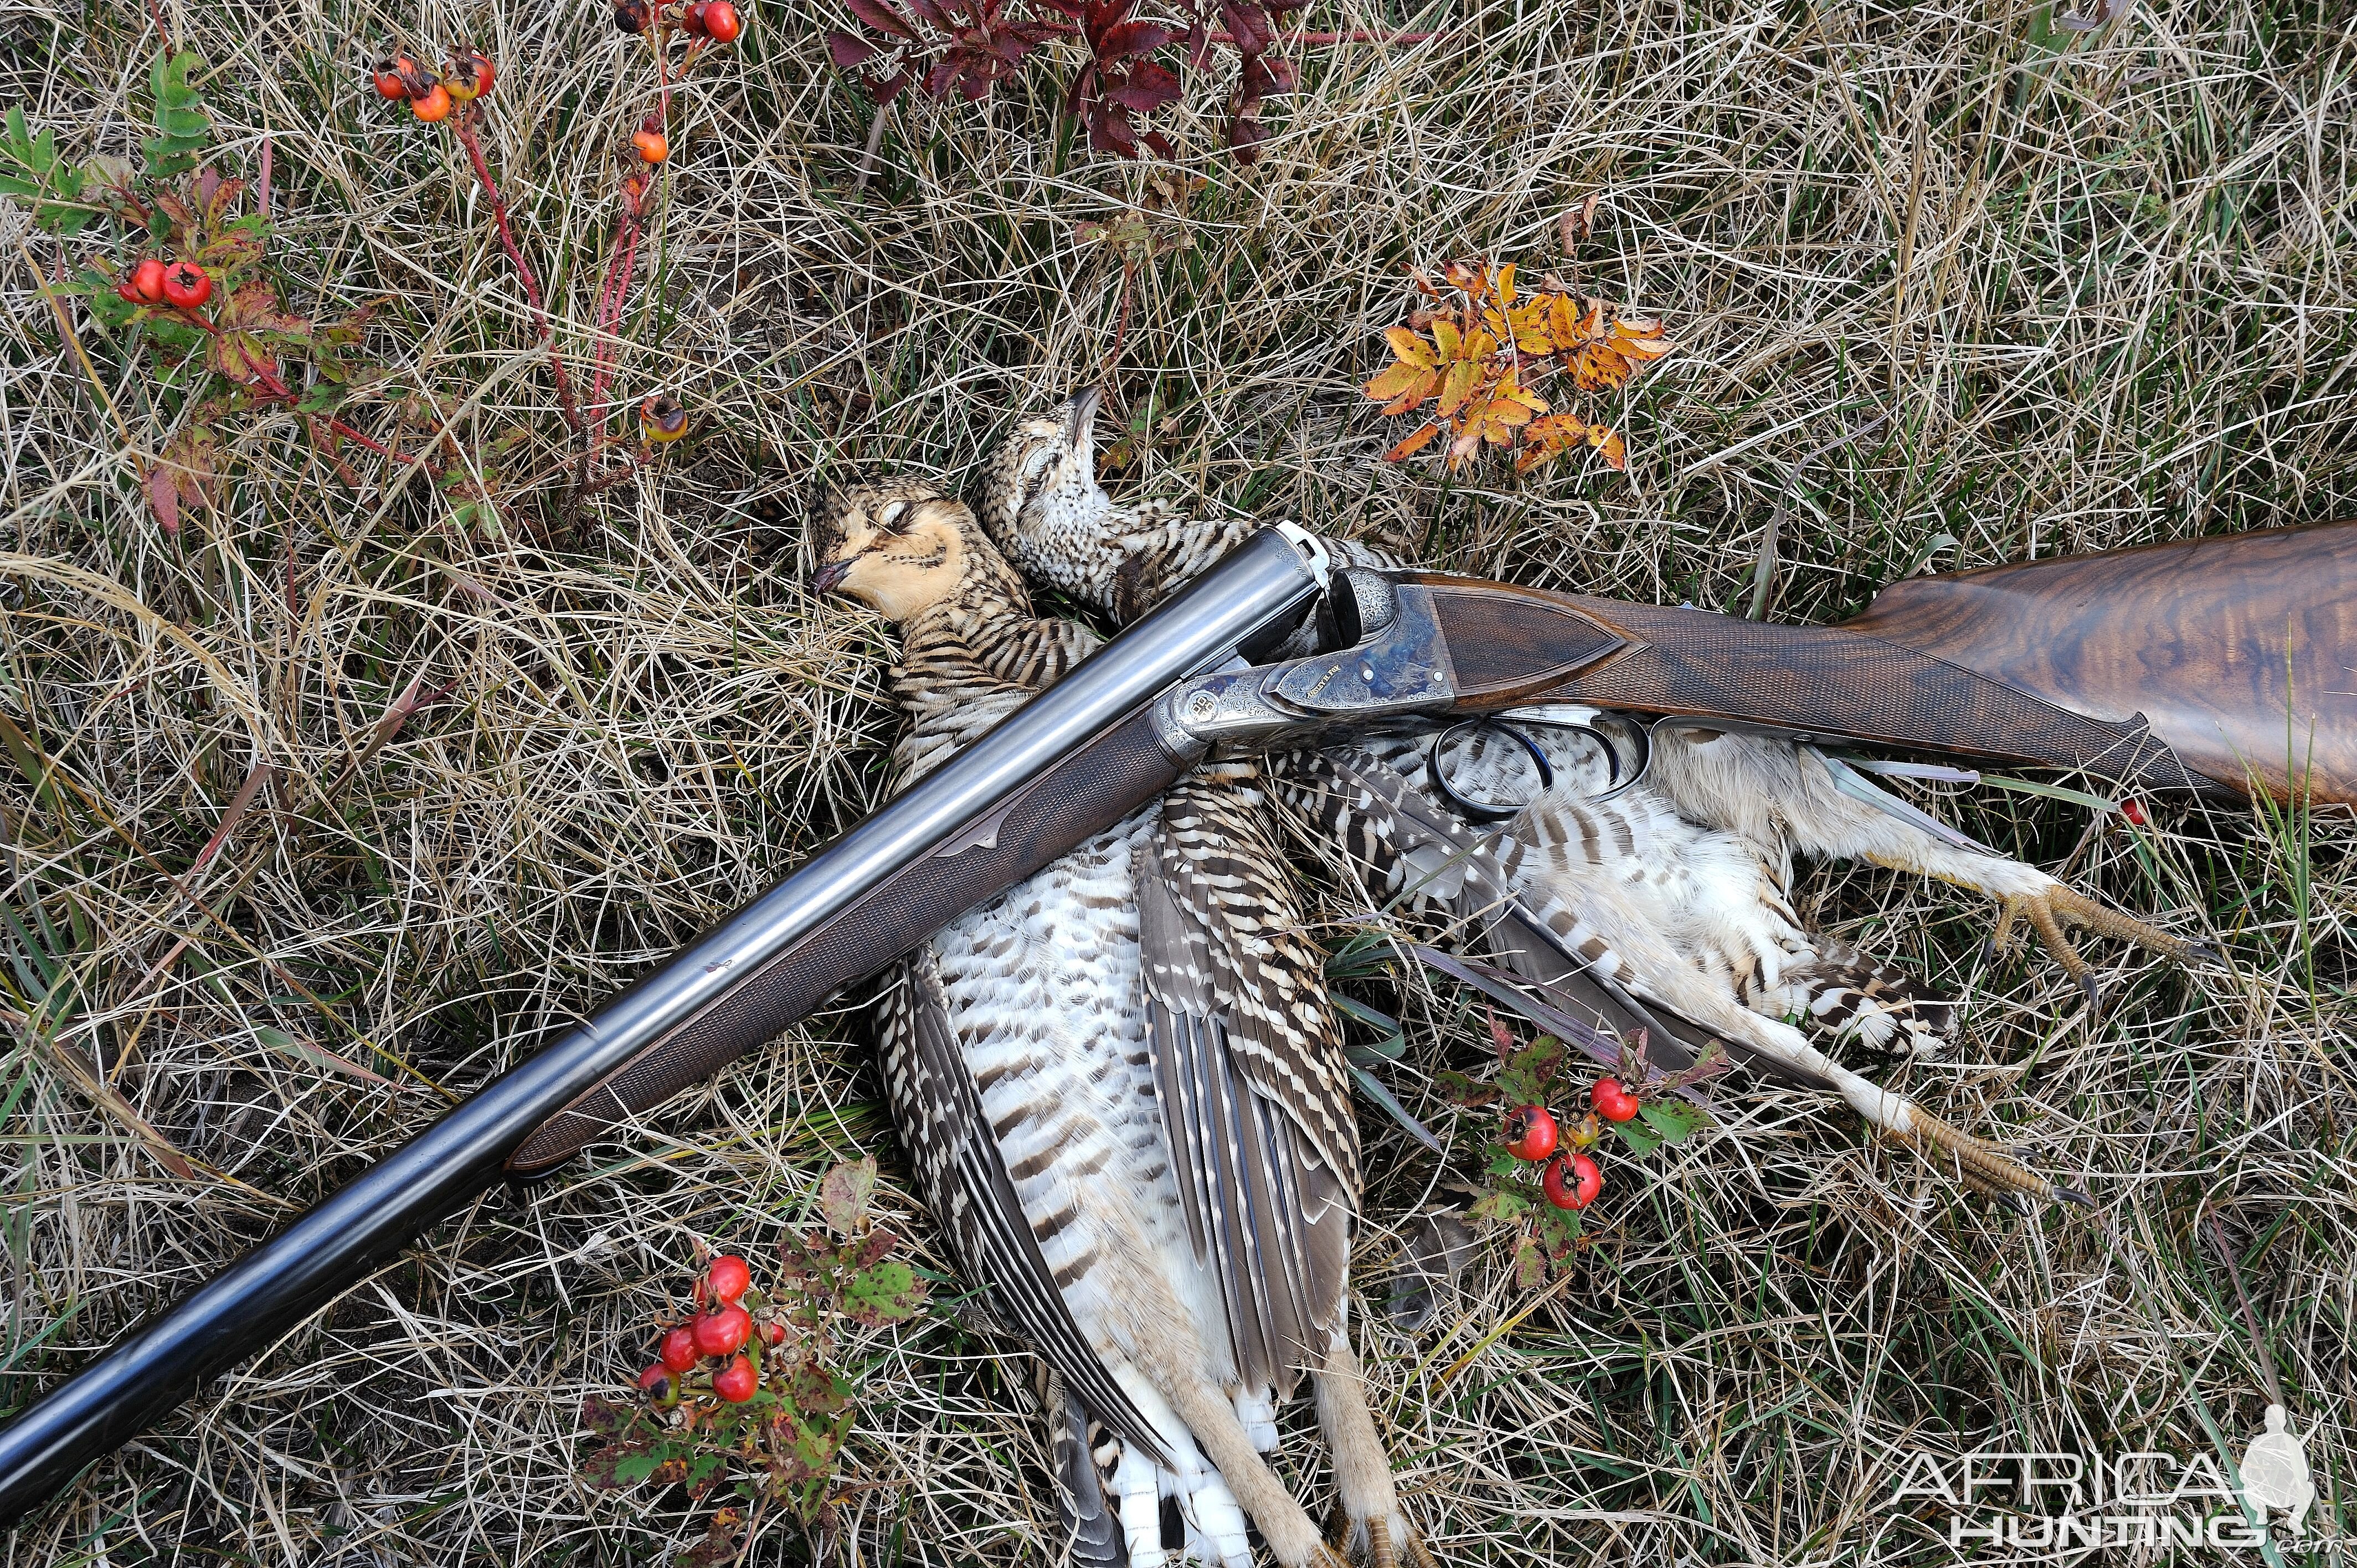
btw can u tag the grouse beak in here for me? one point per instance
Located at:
(1079, 424)
(829, 577)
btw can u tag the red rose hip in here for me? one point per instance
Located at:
(723, 1333)
(721, 22)
(147, 280)
(656, 1381)
(729, 1277)
(1530, 1133)
(736, 1381)
(1573, 1182)
(679, 1352)
(187, 285)
(1612, 1103)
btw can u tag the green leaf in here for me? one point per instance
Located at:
(887, 1292)
(1674, 1119)
(1637, 1138)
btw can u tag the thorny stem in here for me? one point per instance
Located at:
(463, 124)
(1121, 326)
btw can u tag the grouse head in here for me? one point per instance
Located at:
(1039, 497)
(902, 546)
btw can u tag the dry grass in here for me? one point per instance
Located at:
(2098, 286)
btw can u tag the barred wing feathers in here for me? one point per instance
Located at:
(1249, 1064)
(964, 1181)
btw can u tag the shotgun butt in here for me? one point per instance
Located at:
(2241, 650)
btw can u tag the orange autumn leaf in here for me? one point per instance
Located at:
(1413, 445)
(1487, 351)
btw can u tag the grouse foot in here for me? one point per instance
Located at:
(1341, 1529)
(2054, 908)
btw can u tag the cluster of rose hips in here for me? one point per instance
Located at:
(468, 77)
(714, 19)
(1572, 1179)
(717, 1334)
(184, 285)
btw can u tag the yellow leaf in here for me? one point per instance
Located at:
(1411, 349)
(1396, 382)
(1413, 445)
(1444, 334)
(1468, 441)
(1612, 449)
(1564, 323)
(1481, 346)
(1598, 368)
(1458, 386)
(1532, 456)
(1506, 286)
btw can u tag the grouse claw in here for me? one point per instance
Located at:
(2055, 908)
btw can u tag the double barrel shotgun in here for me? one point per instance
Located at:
(2216, 665)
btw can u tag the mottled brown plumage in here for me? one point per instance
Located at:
(1122, 1091)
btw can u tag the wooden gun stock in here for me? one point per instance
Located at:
(2241, 650)
(2171, 667)
(1508, 646)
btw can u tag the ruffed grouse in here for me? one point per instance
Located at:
(1675, 889)
(1124, 1096)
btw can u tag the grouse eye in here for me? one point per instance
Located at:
(891, 514)
(1036, 467)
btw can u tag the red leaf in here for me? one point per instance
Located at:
(938, 79)
(881, 16)
(891, 87)
(1109, 130)
(1148, 88)
(1130, 39)
(164, 497)
(1198, 43)
(848, 52)
(931, 13)
(1248, 25)
(1161, 145)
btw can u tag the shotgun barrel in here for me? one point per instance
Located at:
(1076, 760)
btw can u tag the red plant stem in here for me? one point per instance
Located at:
(612, 295)
(463, 123)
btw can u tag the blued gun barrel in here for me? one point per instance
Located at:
(1073, 761)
